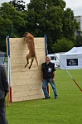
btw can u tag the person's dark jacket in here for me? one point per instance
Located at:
(3, 82)
(48, 70)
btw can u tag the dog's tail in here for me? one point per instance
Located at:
(36, 59)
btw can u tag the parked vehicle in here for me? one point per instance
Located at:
(55, 59)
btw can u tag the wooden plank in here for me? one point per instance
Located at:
(27, 74)
(21, 68)
(23, 82)
(17, 55)
(27, 97)
(21, 90)
(25, 52)
(28, 85)
(18, 43)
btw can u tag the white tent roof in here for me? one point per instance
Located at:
(74, 50)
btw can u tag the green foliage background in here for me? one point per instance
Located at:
(41, 17)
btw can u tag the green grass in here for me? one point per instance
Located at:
(67, 109)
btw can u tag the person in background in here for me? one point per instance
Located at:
(3, 92)
(48, 76)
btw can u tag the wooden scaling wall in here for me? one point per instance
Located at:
(26, 83)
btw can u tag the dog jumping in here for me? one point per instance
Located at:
(29, 39)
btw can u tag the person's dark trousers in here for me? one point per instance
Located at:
(3, 119)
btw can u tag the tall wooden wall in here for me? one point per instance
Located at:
(26, 83)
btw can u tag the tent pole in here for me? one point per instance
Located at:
(71, 76)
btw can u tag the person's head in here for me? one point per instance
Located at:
(47, 59)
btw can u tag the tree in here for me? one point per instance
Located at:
(42, 17)
(70, 25)
(19, 4)
(62, 45)
(12, 23)
(78, 41)
(49, 17)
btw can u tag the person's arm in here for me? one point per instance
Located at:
(42, 72)
(54, 72)
(54, 75)
(4, 81)
(42, 77)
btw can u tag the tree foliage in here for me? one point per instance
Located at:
(62, 45)
(69, 24)
(50, 17)
(45, 17)
(19, 4)
(78, 41)
(42, 17)
(11, 23)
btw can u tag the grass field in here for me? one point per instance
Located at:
(67, 109)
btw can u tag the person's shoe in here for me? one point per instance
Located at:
(47, 97)
(56, 97)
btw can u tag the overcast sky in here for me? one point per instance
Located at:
(75, 5)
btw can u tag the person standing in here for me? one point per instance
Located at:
(3, 92)
(48, 76)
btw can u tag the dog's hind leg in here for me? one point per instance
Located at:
(27, 59)
(31, 62)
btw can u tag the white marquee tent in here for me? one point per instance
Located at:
(71, 59)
